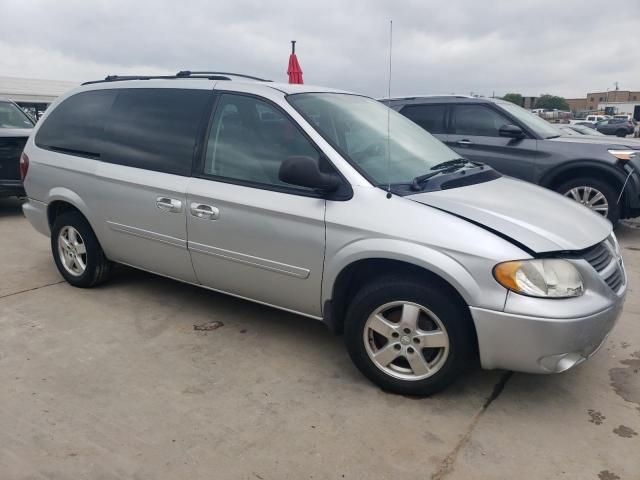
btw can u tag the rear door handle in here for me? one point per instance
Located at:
(464, 142)
(167, 204)
(201, 210)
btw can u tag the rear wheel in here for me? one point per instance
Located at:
(597, 195)
(621, 133)
(407, 336)
(76, 251)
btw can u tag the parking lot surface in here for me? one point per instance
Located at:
(115, 383)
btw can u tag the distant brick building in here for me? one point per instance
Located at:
(594, 99)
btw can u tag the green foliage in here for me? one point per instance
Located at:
(513, 98)
(552, 102)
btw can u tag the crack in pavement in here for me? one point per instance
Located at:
(31, 289)
(446, 466)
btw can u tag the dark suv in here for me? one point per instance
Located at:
(15, 127)
(599, 172)
(616, 126)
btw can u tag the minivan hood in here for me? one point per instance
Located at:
(537, 218)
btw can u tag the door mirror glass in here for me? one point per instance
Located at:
(511, 131)
(304, 172)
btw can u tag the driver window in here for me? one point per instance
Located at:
(477, 120)
(249, 139)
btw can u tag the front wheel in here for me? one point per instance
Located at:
(408, 336)
(597, 195)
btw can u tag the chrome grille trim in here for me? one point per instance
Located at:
(604, 260)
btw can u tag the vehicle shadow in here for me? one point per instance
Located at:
(11, 207)
(278, 330)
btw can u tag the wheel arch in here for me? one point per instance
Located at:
(62, 199)
(346, 272)
(586, 168)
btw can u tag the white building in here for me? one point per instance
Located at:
(33, 95)
(629, 108)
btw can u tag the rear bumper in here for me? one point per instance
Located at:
(36, 213)
(540, 345)
(11, 188)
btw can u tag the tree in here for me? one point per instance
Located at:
(513, 98)
(552, 102)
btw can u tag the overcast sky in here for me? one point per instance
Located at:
(451, 46)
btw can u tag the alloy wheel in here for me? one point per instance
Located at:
(72, 251)
(591, 198)
(406, 340)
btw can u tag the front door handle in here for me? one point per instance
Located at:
(167, 204)
(464, 142)
(201, 210)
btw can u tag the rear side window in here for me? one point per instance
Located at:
(76, 125)
(155, 129)
(429, 117)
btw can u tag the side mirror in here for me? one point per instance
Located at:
(304, 172)
(511, 131)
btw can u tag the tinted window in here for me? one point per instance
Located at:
(477, 120)
(249, 139)
(76, 125)
(155, 129)
(429, 117)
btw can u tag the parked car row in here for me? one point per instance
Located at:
(421, 248)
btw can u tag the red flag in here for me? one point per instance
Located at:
(294, 71)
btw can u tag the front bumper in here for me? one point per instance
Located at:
(632, 188)
(537, 344)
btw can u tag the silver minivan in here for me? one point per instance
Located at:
(330, 205)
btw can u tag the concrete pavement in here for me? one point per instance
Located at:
(115, 383)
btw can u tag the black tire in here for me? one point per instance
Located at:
(452, 313)
(602, 186)
(98, 267)
(621, 133)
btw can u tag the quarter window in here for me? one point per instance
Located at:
(429, 117)
(76, 125)
(477, 120)
(249, 139)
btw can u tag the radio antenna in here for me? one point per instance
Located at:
(389, 113)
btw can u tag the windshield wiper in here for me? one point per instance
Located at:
(450, 163)
(415, 183)
(449, 166)
(552, 136)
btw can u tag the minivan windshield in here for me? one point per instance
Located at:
(538, 124)
(11, 116)
(364, 131)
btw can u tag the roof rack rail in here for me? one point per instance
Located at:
(181, 74)
(190, 73)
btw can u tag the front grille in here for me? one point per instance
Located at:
(602, 258)
(598, 256)
(615, 280)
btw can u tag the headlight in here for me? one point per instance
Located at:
(547, 278)
(623, 154)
